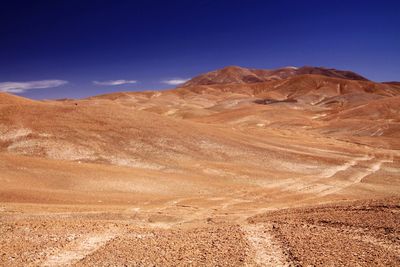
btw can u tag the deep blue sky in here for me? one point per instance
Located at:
(151, 41)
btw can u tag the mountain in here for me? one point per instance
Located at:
(59, 129)
(239, 75)
(236, 157)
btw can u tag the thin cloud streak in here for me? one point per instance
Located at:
(115, 82)
(20, 87)
(175, 81)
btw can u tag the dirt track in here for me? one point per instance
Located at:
(362, 232)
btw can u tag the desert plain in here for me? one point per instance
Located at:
(236, 167)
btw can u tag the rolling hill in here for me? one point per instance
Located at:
(235, 167)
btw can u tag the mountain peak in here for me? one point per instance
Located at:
(241, 75)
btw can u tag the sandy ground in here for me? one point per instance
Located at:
(109, 215)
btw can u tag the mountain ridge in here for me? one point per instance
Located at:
(241, 75)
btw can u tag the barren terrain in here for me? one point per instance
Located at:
(238, 167)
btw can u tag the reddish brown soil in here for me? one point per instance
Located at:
(203, 175)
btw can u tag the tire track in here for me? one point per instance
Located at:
(336, 178)
(80, 249)
(338, 185)
(333, 171)
(267, 251)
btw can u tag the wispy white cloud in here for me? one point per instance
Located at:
(175, 81)
(20, 87)
(115, 82)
